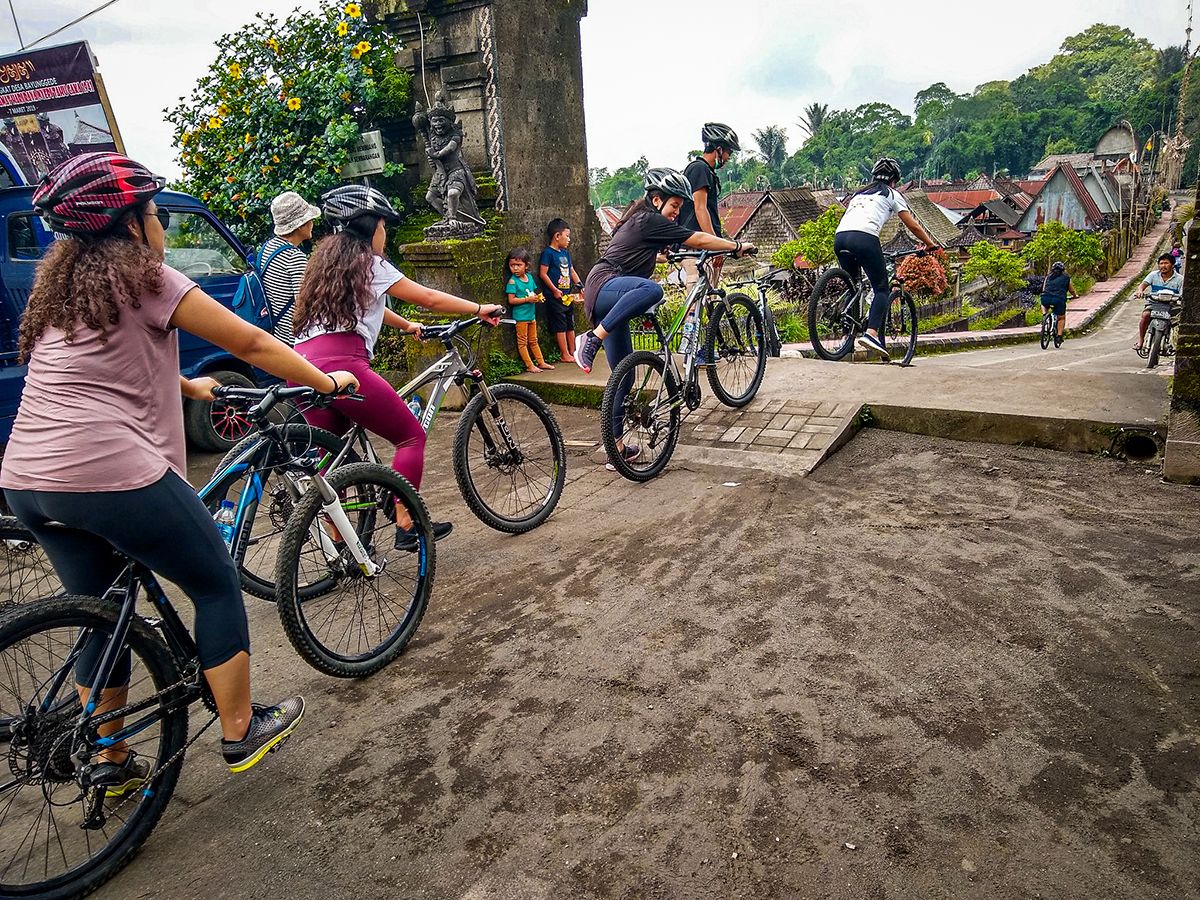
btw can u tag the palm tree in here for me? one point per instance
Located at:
(772, 146)
(812, 117)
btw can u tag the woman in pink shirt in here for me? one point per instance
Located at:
(98, 447)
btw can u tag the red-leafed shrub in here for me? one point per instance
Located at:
(925, 275)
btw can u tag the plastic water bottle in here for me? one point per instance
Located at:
(225, 519)
(688, 344)
(415, 405)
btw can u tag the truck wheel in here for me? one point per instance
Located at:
(214, 425)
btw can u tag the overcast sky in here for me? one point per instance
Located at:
(646, 89)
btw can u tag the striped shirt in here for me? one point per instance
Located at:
(281, 283)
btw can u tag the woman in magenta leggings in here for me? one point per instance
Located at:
(340, 310)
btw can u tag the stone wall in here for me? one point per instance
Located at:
(1182, 462)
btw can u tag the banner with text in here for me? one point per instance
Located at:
(52, 107)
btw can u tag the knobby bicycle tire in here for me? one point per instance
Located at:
(376, 529)
(1047, 326)
(902, 325)
(829, 312)
(742, 343)
(668, 398)
(76, 612)
(259, 579)
(28, 573)
(479, 419)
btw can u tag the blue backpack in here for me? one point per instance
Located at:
(250, 300)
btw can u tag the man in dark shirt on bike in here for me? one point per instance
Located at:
(700, 213)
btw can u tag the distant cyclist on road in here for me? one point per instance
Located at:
(619, 287)
(1163, 284)
(97, 457)
(857, 245)
(1057, 288)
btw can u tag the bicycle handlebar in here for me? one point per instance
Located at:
(703, 255)
(266, 399)
(447, 332)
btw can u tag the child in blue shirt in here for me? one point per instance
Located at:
(522, 294)
(560, 286)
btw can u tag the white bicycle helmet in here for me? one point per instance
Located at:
(886, 169)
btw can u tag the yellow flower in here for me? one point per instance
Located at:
(235, 198)
(346, 96)
(367, 70)
(343, 29)
(230, 179)
(266, 169)
(235, 70)
(185, 138)
(214, 123)
(249, 137)
(274, 159)
(359, 49)
(198, 159)
(353, 10)
(337, 170)
(273, 44)
(246, 108)
(294, 104)
(223, 110)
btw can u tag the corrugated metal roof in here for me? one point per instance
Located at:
(1052, 162)
(962, 200)
(1003, 212)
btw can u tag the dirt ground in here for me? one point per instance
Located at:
(930, 670)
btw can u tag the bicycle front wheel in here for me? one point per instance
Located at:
(737, 350)
(509, 459)
(61, 835)
(901, 328)
(28, 574)
(369, 613)
(268, 498)
(1047, 330)
(831, 312)
(641, 408)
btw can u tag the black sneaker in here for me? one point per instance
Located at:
(269, 727)
(870, 342)
(1058, 340)
(587, 345)
(406, 538)
(120, 778)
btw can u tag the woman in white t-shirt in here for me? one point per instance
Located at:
(340, 311)
(857, 242)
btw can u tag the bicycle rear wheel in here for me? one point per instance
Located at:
(901, 328)
(61, 836)
(509, 459)
(649, 415)
(1047, 330)
(28, 574)
(270, 496)
(737, 350)
(363, 621)
(831, 311)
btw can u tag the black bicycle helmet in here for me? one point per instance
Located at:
(1058, 268)
(718, 135)
(342, 204)
(90, 193)
(667, 182)
(886, 169)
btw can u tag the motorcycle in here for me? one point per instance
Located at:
(1164, 318)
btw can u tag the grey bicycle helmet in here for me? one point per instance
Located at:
(1058, 268)
(342, 204)
(886, 169)
(667, 182)
(717, 135)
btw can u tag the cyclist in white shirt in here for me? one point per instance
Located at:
(857, 245)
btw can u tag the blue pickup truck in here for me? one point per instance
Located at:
(198, 245)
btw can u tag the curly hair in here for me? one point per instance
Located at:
(336, 290)
(84, 283)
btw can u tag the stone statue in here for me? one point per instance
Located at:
(452, 190)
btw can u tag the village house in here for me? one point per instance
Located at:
(896, 238)
(778, 215)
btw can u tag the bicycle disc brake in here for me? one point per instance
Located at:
(691, 395)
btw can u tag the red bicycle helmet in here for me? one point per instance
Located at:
(88, 194)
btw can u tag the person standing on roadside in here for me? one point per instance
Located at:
(700, 212)
(281, 261)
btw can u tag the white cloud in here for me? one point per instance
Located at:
(654, 71)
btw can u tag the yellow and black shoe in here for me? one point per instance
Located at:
(269, 727)
(118, 779)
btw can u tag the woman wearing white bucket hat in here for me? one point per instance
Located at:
(281, 262)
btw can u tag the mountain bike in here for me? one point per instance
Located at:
(62, 833)
(650, 392)
(779, 281)
(838, 309)
(1049, 327)
(510, 460)
(28, 574)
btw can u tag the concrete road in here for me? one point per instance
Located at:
(931, 669)
(1106, 349)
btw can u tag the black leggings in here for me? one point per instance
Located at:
(859, 252)
(166, 528)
